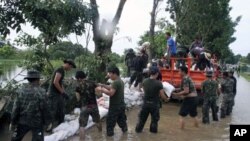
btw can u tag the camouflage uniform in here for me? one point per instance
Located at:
(234, 89)
(189, 104)
(88, 103)
(29, 113)
(227, 97)
(209, 89)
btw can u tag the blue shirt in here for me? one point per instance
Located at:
(172, 46)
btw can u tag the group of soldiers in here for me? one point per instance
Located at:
(37, 110)
(213, 89)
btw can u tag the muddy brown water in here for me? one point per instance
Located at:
(168, 129)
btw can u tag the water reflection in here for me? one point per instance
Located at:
(11, 70)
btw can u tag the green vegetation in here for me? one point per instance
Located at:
(246, 75)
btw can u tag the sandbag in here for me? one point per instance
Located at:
(168, 88)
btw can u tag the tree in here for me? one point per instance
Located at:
(248, 58)
(54, 18)
(210, 19)
(64, 50)
(7, 51)
(103, 33)
(152, 28)
(158, 47)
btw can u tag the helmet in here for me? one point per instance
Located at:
(33, 74)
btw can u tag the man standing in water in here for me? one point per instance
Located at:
(210, 89)
(29, 110)
(153, 89)
(227, 95)
(85, 93)
(57, 94)
(231, 75)
(116, 112)
(189, 95)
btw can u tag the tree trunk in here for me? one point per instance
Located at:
(151, 53)
(103, 34)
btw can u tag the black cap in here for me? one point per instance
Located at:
(153, 70)
(80, 74)
(33, 74)
(71, 62)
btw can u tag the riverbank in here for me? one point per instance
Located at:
(246, 75)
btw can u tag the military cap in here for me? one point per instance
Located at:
(33, 74)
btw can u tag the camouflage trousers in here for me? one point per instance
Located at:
(21, 130)
(227, 104)
(116, 115)
(86, 112)
(57, 108)
(152, 109)
(207, 104)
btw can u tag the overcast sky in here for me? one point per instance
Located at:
(135, 21)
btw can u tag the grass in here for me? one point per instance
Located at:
(246, 75)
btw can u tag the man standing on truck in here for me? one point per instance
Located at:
(171, 47)
(210, 89)
(188, 92)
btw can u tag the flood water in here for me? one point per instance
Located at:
(168, 129)
(11, 71)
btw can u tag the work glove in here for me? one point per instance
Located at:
(65, 95)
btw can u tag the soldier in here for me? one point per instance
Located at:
(137, 74)
(85, 93)
(153, 89)
(231, 75)
(210, 89)
(189, 95)
(227, 95)
(129, 61)
(56, 94)
(29, 110)
(116, 113)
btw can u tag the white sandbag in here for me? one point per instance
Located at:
(168, 88)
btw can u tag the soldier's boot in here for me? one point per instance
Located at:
(217, 109)
(205, 120)
(138, 128)
(125, 129)
(215, 117)
(153, 127)
(222, 114)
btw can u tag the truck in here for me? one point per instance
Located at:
(172, 76)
